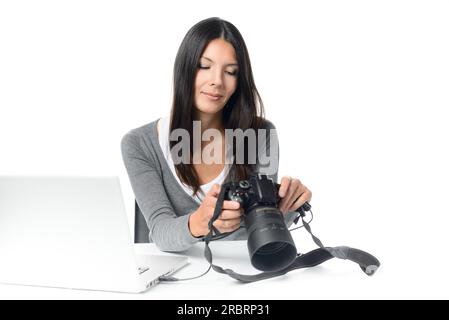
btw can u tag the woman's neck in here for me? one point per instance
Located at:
(210, 121)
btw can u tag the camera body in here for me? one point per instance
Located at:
(270, 245)
(259, 190)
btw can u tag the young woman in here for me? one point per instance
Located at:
(214, 93)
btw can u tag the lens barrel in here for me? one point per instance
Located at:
(270, 244)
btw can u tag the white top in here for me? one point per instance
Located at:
(163, 126)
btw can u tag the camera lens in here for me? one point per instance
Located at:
(270, 245)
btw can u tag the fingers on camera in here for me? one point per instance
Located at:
(227, 225)
(285, 183)
(304, 197)
(230, 214)
(231, 205)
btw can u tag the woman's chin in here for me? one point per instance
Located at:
(209, 110)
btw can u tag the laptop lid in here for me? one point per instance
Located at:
(69, 232)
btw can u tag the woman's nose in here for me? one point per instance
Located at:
(217, 78)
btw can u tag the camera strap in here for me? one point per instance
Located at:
(367, 262)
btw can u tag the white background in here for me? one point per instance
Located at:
(358, 91)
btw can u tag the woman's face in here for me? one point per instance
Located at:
(216, 79)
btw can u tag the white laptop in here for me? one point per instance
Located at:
(72, 232)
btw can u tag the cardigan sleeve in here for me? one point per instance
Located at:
(167, 230)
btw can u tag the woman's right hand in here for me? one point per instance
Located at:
(228, 221)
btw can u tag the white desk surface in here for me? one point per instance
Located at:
(334, 279)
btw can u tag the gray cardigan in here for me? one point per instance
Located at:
(164, 204)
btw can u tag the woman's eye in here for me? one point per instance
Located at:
(231, 73)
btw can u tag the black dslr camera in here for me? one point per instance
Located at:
(270, 245)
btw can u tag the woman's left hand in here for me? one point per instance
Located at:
(293, 194)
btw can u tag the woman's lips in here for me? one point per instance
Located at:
(212, 96)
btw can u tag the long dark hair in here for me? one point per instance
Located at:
(243, 110)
